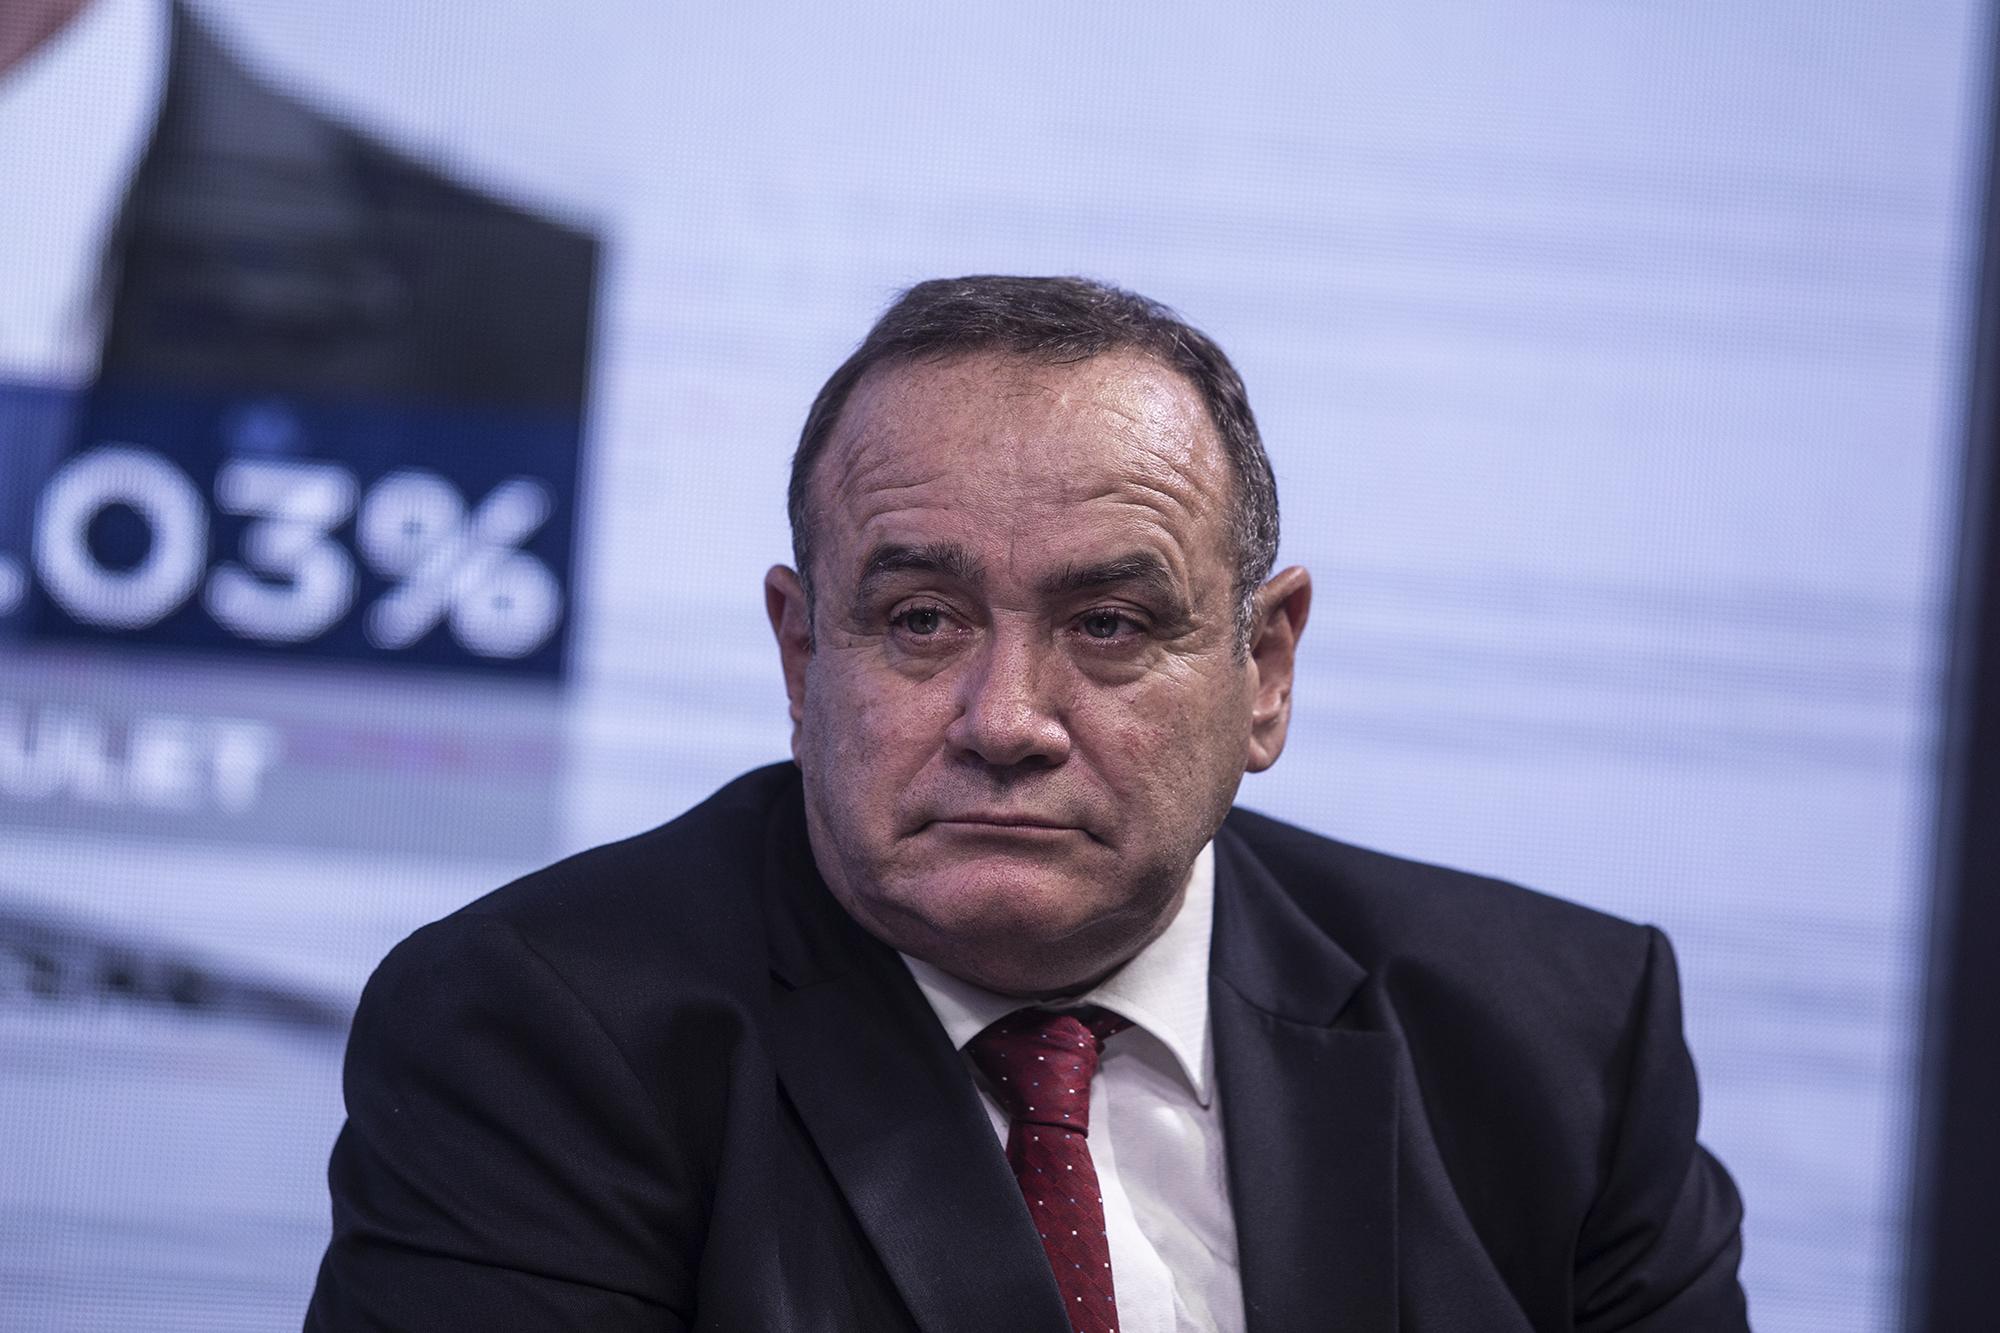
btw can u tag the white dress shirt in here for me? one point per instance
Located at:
(75, 118)
(1155, 1124)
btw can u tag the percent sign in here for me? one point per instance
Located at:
(450, 564)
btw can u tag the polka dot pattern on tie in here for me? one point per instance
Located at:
(1038, 1065)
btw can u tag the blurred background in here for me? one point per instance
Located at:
(395, 407)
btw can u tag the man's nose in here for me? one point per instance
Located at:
(1007, 712)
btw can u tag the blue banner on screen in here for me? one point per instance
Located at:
(382, 534)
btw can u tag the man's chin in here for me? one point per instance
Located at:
(1045, 909)
(1014, 927)
(1019, 963)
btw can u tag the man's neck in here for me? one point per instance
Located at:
(1163, 989)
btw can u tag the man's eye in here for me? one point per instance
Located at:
(922, 621)
(1105, 624)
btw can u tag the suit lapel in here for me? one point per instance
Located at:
(895, 1116)
(247, 254)
(1309, 1113)
(1345, 1214)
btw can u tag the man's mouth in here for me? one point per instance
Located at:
(1004, 822)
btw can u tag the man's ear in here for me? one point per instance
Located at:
(1277, 618)
(791, 621)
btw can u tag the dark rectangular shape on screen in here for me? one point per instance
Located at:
(1955, 1212)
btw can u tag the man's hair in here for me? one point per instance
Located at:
(1055, 320)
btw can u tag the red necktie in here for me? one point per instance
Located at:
(1039, 1066)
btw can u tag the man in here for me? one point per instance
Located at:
(756, 1069)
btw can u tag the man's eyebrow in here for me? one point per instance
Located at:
(947, 558)
(1141, 567)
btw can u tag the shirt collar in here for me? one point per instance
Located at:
(75, 118)
(1162, 990)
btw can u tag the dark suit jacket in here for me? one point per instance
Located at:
(669, 1084)
(267, 248)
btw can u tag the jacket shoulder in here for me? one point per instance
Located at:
(1445, 941)
(679, 900)
(1386, 903)
(1549, 1073)
(282, 226)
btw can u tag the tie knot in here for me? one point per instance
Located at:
(1039, 1064)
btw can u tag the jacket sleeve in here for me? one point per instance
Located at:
(1659, 1249)
(502, 1166)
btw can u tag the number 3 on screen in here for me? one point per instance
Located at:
(295, 582)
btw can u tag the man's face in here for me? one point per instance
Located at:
(1019, 707)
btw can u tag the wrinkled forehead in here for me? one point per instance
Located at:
(989, 435)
